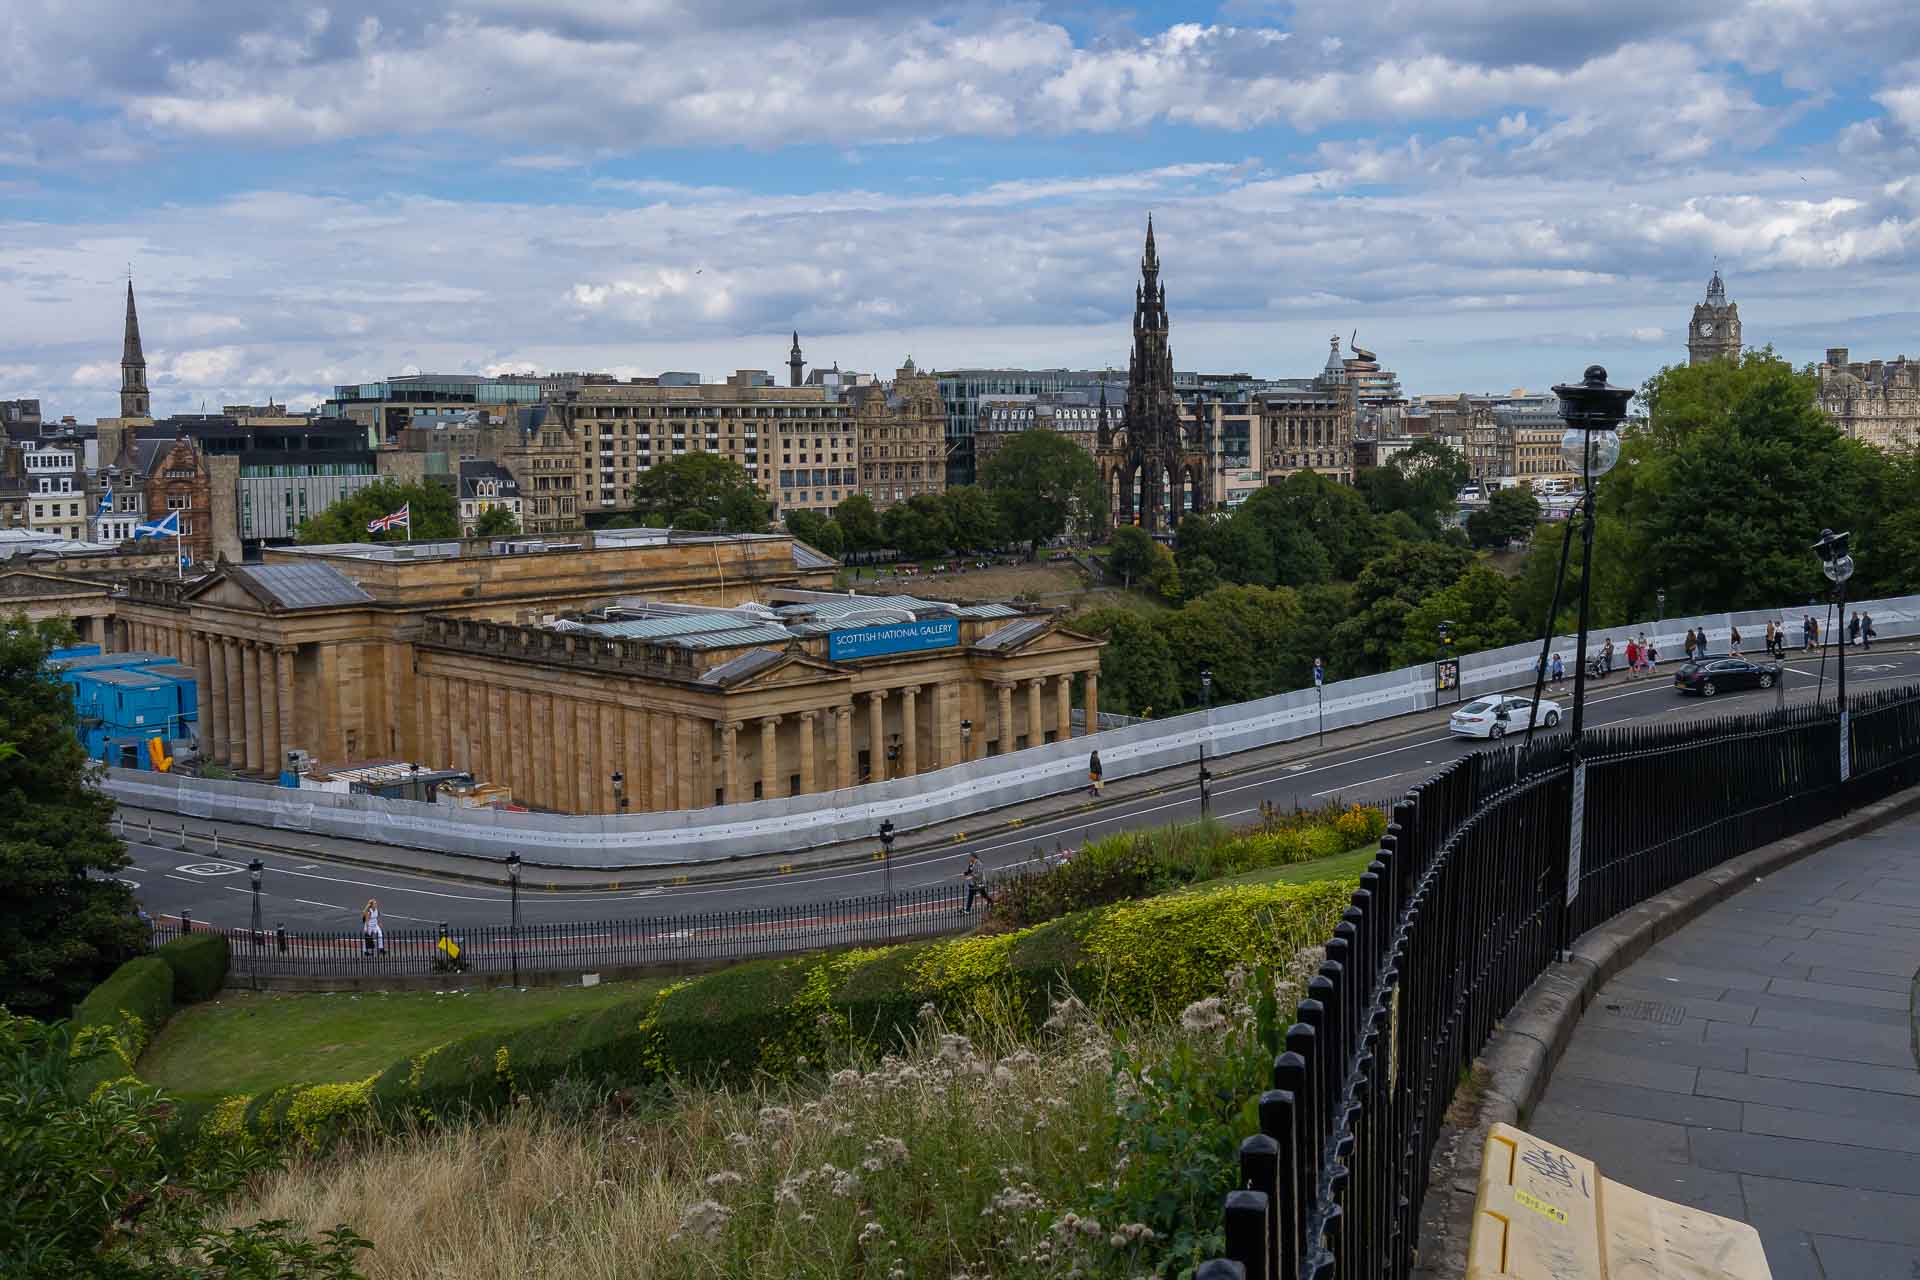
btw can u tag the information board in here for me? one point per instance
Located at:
(893, 637)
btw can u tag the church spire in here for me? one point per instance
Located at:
(134, 400)
(794, 362)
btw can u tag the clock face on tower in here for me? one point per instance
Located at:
(1706, 328)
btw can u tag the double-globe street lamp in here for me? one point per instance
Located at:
(513, 879)
(1593, 411)
(886, 859)
(1837, 563)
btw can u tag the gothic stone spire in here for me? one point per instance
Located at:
(134, 400)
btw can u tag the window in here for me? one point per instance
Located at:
(178, 504)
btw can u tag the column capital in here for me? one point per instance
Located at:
(1035, 682)
(878, 696)
(1004, 686)
(911, 691)
(843, 710)
(807, 717)
(732, 726)
(769, 722)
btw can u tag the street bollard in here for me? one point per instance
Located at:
(186, 920)
(149, 830)
(216, 843)
(280, 936)
(183, 837)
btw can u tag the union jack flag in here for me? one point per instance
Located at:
(379, 524)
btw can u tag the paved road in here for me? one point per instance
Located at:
(1760, 1064)
(311, 893)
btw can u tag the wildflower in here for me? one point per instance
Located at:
(1203, 1015)
(776, 1118)
(705, 1218)
(888, 1150)
(739, 1141)
(872, 1231)
(848, 1078)
(927, 1012)
(724, 1178)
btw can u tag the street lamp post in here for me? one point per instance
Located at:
(1446, 644)
(1206, 776)
(254, 869)
(1206, 687)
(1660, 604)
(1593, 411)
(619, 791)
(1837, 563)
(1320, 695)
(966, 739)
(893, 755)
(513, 879)
(886, 859)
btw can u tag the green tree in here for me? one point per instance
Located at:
(859, 523)
(1510, 516)
(918, 527)
(1198, 576)
(1420, 481)
(1232, 631)
(1478, 607)
(1387, 590)
(496, 522)
(973, 517)
(816, 530)
(430, 507)
(1309, 633)
(700, 491)
(1308, 505)
(65, 923)
(1044, 484)
(1137, 671)
(95, 1185)
(1235, 546)
(1133, 553)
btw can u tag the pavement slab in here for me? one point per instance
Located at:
(1761, 1063)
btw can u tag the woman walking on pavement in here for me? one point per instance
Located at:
(1093, 775)
(1733, 643)
(1558, 672)
(375, 938)
(975, 877)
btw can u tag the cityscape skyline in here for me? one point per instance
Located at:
(1492, 200)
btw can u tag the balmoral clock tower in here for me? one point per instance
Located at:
(1715, 332)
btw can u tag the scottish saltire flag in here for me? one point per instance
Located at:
(404, 516)
(106, 502)
(169, 527)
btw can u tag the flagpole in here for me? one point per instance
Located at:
(179, 565)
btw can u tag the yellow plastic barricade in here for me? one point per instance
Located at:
(1545, 1213)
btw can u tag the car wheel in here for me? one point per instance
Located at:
(1707, 689)
(1498, 731)
(1766, 680)
(1553, 718)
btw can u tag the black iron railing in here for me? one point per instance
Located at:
(1466, 905)
(691, 939)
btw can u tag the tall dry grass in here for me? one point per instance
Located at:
(972, 1153)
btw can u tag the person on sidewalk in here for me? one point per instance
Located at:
(1733, 643)
(975, 876)
(1606, 657)
(1652, 656)
(1633, 658)
(371, 934)
(1866, 631)
(1770, 638)
(1093, 775)
(1853, 631)
(1558, 673)
(1692, 644)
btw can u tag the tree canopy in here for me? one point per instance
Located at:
(700, 491)
(1510, 516)
(1044, 484)
(496, 522)
(430, 507)
(859, 523)
(1133, 553)
(65, 922)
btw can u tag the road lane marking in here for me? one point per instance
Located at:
(1334, 791)
(328, 905)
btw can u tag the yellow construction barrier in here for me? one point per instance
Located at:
(1545, 1213)
(157, 753)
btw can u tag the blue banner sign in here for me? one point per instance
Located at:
(894, 637)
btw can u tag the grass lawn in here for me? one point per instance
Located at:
(1338, 866)
(242, 1042)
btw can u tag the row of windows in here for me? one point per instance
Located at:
(51, 510)
(599, 412)
(825, 476)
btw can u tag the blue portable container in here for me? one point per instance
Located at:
(186, 684)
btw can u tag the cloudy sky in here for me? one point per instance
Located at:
(1493, 192)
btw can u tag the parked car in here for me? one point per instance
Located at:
(1717, 675)
(1498, 716)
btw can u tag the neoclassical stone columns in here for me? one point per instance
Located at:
(290, 731)
(1063, 689)
(331, 743)
(909, 735)
(250, 700)
(808, 782)
(213, 697)
(693, 745)
(769, 756)
(1004, 690)
(543, 782)
(1036, 734)
(843, 745)
(1092, 699)
(237, 726)
(270, 757)
(877, 736)
(609, 755)
(633, 752)
(730, 759)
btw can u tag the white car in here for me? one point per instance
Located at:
(1498, 716)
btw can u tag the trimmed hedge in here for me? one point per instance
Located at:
(199, 964)
(126, 1009)
(786, 1016)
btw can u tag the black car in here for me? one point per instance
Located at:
(1717, 675)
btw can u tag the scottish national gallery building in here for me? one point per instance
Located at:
(702, 668)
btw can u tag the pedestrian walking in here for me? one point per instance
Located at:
(1770, 639)
(1853, 630)
(1633, 658)
(1733, 642)
(1866, 631)
(975, 876)
(1653, 657)
(1606, 657)
(1093, 775)
(1692, 644)
(1558, 672)
(374, 938)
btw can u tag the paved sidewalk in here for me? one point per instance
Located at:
(1761, 1064)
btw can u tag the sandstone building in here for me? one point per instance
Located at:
(1877, 402)
(1714, 331)
(704, 668)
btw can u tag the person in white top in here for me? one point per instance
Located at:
(370, 928)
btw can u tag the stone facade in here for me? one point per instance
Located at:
(901, 434)
(182, 481)
(1537, 457)
(1311, 427)
(1877, 402)
(454, 662)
